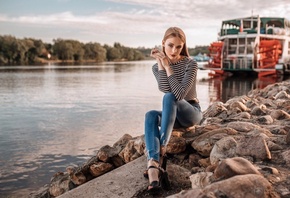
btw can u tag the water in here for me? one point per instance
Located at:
(53, 116)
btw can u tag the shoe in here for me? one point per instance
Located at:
(163, 160)
(156, 187)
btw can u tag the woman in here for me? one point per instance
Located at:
(175, 73)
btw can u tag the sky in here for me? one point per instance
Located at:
(132, 23)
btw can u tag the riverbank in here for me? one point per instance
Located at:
(244, 142)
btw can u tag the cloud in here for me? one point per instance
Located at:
(201, 19)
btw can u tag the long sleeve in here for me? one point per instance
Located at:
(161, 78)
(182, 83)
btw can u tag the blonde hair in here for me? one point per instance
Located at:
(176, 32)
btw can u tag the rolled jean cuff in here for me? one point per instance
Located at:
(153, 155)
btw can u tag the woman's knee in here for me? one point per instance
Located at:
(169, 97)
(152, 115)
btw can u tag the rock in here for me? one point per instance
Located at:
(205, 142)
(215, 109)
(242, 126)
(204, 162)
(238, 105)
(234, 166)
(106, 153)
(193, 159)
(282, 95)
(279, 115)
(288, 138)
(259, 110)
(286, 157)
(128, 153)
(100, 168)
(267, 119)
(59, 184)
(176, 145)
(254, 146)
(78, 178)
(250, 186)
(273, 146)
(179, 175)
(200, 180)
(224, 148)
(133, 149)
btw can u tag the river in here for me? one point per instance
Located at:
(53, 115)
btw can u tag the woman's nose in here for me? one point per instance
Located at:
(174, 49)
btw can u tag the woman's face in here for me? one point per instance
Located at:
(173, 47)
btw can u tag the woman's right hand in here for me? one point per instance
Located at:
(155, 53)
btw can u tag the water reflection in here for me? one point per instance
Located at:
(223, 89)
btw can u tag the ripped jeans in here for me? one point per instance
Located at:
(159, 124)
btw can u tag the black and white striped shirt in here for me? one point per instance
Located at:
(182, 83)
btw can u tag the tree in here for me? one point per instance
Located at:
(94, 51)
(113, 54)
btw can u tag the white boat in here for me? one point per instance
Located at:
(259, 45)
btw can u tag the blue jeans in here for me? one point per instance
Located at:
(159, 124)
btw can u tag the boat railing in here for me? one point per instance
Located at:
(238, 63)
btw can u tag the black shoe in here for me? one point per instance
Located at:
(163, 160)
(156, 187)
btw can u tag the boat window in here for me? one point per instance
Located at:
(275, 23)
(241, 49)
(242, 41)
(247, 24)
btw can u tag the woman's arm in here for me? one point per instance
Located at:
(159, 70)
(181, 89)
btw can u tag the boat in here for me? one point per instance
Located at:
(252, 45)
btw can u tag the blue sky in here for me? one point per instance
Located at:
(133, 23)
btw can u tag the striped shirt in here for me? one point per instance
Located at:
(182, 83)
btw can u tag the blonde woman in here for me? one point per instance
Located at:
(175, 73)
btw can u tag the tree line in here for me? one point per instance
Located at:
(30, 51)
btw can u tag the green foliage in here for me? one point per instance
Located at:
(198, 49)
(20, 51)
(29, 51)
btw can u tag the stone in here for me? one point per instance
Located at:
(254, 146)
(122, 142)
(100, 168)
(178, 175)
(133, 149)
(200, 180)
(267, 119)
(250, 186)
(234, 166)
(279, 115)
(106, 153)
(259, 110)
(176, 145)
(286, 157)
(224, 148)
(205, 142)
(288, 138)
(242, 126)
(59, 184)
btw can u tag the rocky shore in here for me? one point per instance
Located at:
(241, 149)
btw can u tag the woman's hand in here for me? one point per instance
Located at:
(155, 53)
(160, 57)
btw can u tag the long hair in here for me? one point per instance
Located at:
(176, 32)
